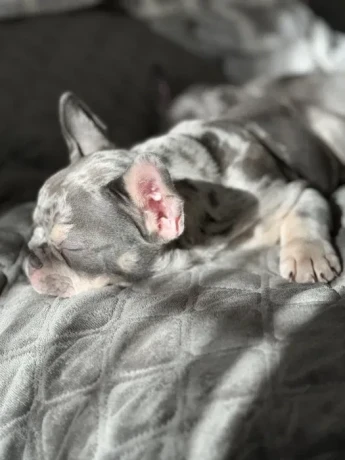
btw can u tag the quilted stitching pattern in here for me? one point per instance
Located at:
(215, 363)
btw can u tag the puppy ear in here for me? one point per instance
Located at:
(83, 131)
(151, 189)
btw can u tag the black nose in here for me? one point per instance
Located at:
(34, 261)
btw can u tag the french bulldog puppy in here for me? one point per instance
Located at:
(255, 169)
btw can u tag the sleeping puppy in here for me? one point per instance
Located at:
(249, 175)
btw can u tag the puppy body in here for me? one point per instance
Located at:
(242, 180)
(254, 201)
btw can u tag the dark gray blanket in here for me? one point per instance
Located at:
(104, 58)
(215, 363)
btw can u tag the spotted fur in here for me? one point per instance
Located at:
(242, 170)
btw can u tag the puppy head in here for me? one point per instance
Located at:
(105, 218)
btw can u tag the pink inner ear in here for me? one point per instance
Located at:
(161, 206)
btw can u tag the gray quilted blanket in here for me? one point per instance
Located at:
(215, 363)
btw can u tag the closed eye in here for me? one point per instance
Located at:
(64, 253)
(72, 249)
(65, 258)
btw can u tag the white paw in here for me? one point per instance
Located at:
(309, 261)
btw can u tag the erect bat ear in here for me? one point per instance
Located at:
(151, 189)
(83, 131)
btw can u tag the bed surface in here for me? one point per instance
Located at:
(220, 362)
(216, 363)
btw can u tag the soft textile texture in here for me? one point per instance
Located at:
(215, 363)
(252, 37)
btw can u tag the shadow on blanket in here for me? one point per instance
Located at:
(214, 363)
(300, 411)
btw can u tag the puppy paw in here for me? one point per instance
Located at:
(309, 261)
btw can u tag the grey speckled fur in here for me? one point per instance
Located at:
(238, 175)
(222, 361)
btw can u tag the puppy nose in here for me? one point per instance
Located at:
(34, 261)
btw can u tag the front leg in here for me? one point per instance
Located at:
(306, 253)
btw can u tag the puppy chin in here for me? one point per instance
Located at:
(37, 281)
(41, 288)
